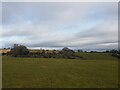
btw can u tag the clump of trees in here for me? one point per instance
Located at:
(22, 51)
(19, 51)
(67, 53)
(115, 53)
(79, 50)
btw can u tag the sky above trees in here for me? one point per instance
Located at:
(89, 25)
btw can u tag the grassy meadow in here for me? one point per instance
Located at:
(96, 70)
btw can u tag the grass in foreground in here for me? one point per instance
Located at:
(97, 72)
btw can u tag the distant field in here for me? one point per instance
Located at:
(98, 70)
(96, 56)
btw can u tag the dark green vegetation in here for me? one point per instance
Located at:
(99, 70)
(22, 51)
(19, 51)
(66, 53)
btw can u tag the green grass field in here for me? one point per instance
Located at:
(98, 70)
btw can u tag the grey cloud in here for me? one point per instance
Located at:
(46, 24)
(51, 11)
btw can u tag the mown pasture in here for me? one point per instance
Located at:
(96, 70)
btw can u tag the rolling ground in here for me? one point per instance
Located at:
(98, 70)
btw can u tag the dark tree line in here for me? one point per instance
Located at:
(22, 51)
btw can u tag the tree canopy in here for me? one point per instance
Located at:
(19, 50)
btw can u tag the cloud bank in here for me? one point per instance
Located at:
(56, 25)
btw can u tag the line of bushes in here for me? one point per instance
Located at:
(22, 51)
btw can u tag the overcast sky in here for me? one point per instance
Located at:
(56, 25)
